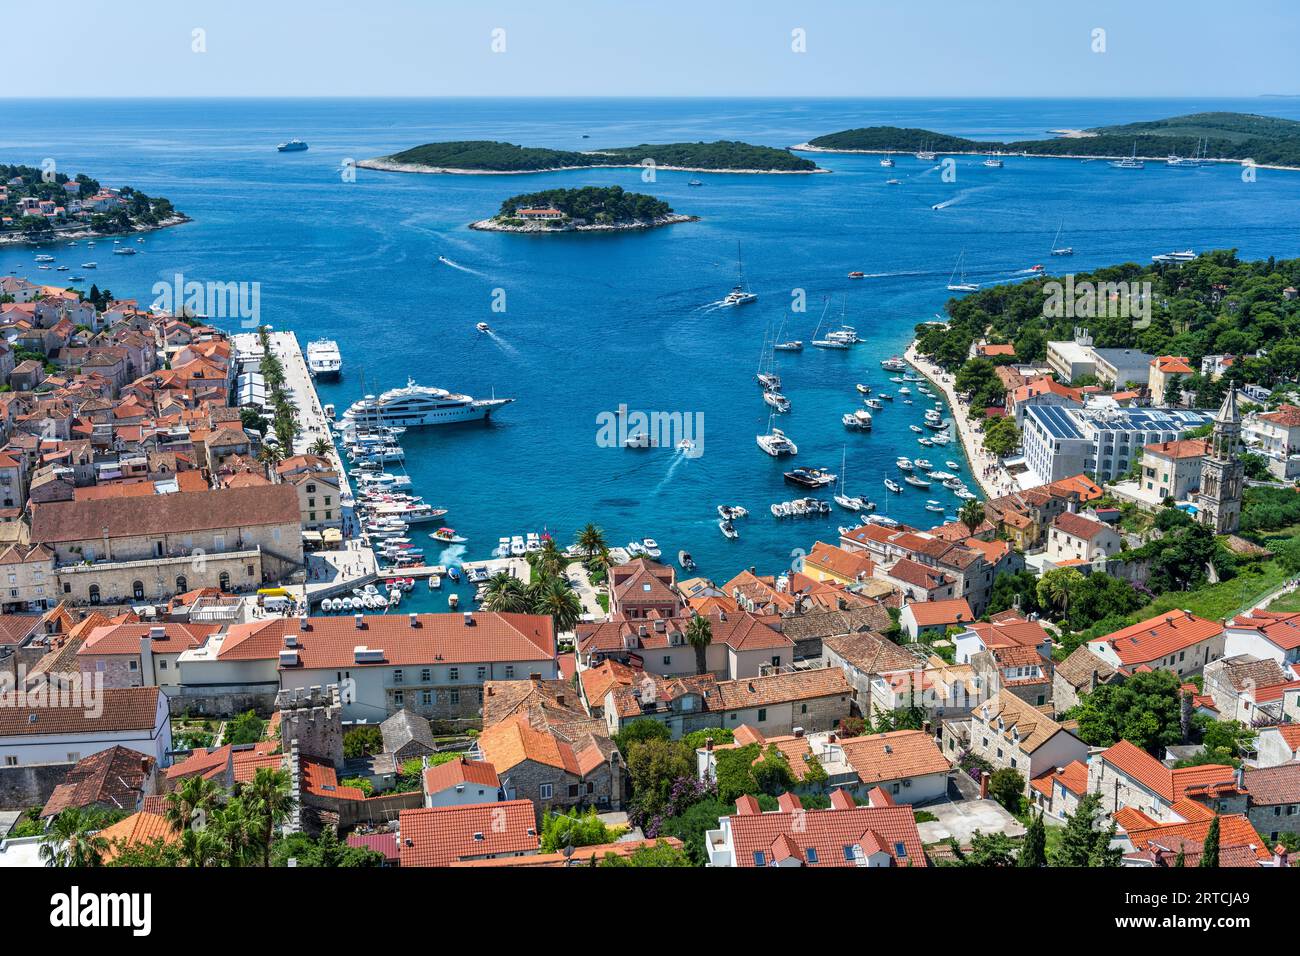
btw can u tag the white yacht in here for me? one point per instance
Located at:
(776, 443)
(740, 294)
(1132, 162)
(414, 405)
(887, 162)
(323, 358)
(1166, 258)
(993, 163)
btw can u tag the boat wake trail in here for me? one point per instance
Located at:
(456, 265)
(505, 346)
(678, 457)
(454, 554)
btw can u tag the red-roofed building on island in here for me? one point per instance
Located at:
(1176, 641)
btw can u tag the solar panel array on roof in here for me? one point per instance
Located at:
(1055, 420)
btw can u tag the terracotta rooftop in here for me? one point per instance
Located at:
(1159, 636)
(440, 836)
(113, 778)
(935, 613)
(60, 521)
(894, 755)
(1169, 785)
(837, 837)
(123, 709)
(458, 772)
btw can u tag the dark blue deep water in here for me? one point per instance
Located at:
(595, 321)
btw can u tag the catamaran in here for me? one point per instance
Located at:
(776, 443)
(740, 294)
(963, 285)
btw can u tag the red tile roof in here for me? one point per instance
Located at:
(934, 613)
(1169, 785)
(455, 773)
(123, 709)
(1159, 636)
(385, 844)
(1235, 833)
(1282, 630)
(125, 638)
(1078, 526)
(1073, 777)
(1183, 448)
(832, 834)
(60, 521)
(114, 778)
(439, 836)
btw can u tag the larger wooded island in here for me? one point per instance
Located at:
(487, 156)
(590, 209)
(1227, 137)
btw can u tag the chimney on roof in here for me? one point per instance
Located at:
(413, 619)
(559, 700)
(832, 737)
(708, 744)
(469, 618)
(359, 620)
(1280, 856)
(984, 784)
(798, 732)
(304, 623)
(889, 749)
(535, 677)
(1240, 776)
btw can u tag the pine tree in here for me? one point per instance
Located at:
(1033, 852)
(1180, 860)
(1210, 850)
(1082, 844)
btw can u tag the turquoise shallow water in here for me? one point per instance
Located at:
(592, 322)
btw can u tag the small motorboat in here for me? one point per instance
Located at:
(855, 274)
(454, 575)
(893, 182)
(953, 466)
(849, 502)
(933, 505)
(923, 464)
(730, 512)
(651, 547)
(917, 428)
(863, 389)
(728, 529)
(483, 327)
(686, 561)
(874, 404)
(925, 442)
(893, 486)
(453, 601)
(448, 536)
(916, 482)
(904, 464)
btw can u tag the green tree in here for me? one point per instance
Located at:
(1082, 843)
(554, 598)
(1143, 710)
(321, 447)
(71, 840)
(971, 515)
(1210, 849)
(270, 801)
(548, 560)
(1007, 787)
(1057, 587)
(561, 829)
(189, 805)
(660, 854)
(699, 634)
(506, 594)
(247, 728)
(652, 766)
(592, 540)
(363, 741)
(987, 851)
(641, 729)
(1033, 850)
(143, 854)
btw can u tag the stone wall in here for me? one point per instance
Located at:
(30, 785)
(223, 704)
(525, 780)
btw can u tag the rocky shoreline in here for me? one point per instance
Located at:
(22, 239)
(494, 224)
(384, 164)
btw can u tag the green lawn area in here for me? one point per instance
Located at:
(1287, 603)
(603, 599)
(1217, 601)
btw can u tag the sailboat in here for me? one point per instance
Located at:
(740, 294)
(1060, 250)
(963, 285)
(846, 501)
(1195, 161)
(1131, 163)
(831, 341)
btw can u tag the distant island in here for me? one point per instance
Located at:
(1222, 137)
(589, 209)
(488, 156)
(34, 209)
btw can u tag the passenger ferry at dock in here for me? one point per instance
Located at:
(416, 405)
(323, 358)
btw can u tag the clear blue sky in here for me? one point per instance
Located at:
(943, 48)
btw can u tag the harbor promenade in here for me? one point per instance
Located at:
(985, 469)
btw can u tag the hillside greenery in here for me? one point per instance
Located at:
(1231, 136)
(23, 182)
(597, 204)
(493, 156)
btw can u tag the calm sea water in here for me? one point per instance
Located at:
(592, 322)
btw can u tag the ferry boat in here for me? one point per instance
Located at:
(776, 443)
(323, 358)
(293, 146)
(1167, 258)
(416, 405)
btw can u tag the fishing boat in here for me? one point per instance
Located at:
(776, 443)
(740, 294)
(1131, 162)
(728, 529)
(859, 420)
(686, 561)
(916, 482)
(893, 486)
(961, 286)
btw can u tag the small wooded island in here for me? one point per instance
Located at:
(37, 207)
(589, 209)
(1211, 137)
(487, 156)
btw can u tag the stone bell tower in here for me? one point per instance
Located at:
(1222, 473)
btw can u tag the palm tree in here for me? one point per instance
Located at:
(554, 597)
(70, 842)
(592, 540)
(971, 514)
(200, 848)
(270, 801)
(320, 447)
(699, 634)
(1056, 588)
(506, 594)
(270, 455)
(236, 830)
(190, 803)
(548, 560)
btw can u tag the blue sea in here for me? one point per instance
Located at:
(595, 322)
